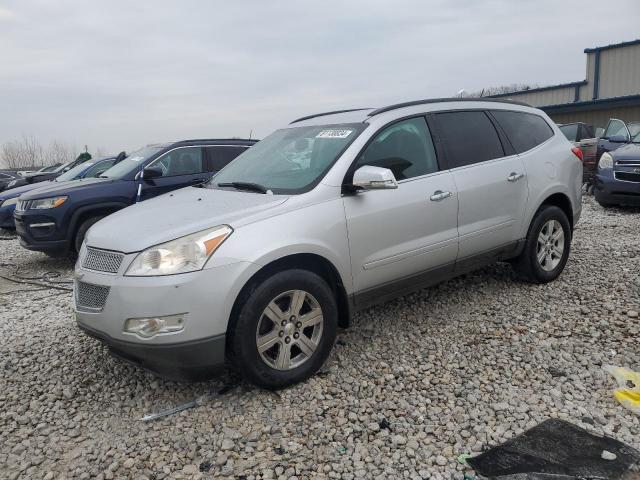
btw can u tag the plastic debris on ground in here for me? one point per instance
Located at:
(556, 450)
(628, 391)
(170, 411)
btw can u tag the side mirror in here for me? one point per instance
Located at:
(618, 139)
(374, 178)
(599, 132)
(151, 172)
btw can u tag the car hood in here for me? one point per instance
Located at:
(17, 191)
(63, 188)
(175, 215)
(630, 151)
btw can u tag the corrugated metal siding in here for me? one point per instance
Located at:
(586, 91)
(619, 71)
(554, 96)
(599, 118)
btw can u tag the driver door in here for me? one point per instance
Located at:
(406, 237)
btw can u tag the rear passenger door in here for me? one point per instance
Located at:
(490, 179)
(219, 156)
(395, 235)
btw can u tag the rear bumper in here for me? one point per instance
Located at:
(194, 360)
(609, 190)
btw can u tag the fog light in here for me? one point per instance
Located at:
(151, 326)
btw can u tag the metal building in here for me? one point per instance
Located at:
(611, 89)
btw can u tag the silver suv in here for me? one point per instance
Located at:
(327, 216)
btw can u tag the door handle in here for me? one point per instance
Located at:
(439, 195)
(514, 177)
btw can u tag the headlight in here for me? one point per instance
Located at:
(186, 254)
(606, 161)
(9, 202)
(45, 203)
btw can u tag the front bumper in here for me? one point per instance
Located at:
(205, 298)
(39, 233)
(612, 191)
(6, 217)
(195, 360)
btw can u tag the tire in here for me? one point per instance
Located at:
(273, 368)
(82, 231)
(528, 266)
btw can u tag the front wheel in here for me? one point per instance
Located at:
(285, 330)
(546, 247)
(82, 231)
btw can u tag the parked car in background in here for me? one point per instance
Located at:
(89, 169)
(44, 174)
(5, 178)
(616, 135)
(327, 216)
(583, 137)
(618, 175)
(54, 219)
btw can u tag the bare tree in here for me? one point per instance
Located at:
(28, 153)
(59, 152)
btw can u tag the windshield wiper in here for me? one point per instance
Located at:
(254, 187)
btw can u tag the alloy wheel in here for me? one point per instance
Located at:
(289, 330)
(550, 245)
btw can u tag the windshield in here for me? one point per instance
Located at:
(62, 167)
(132, 162)
(74, 172)
(291, 160)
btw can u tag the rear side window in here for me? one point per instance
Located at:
(99, 168)
(469, 137)
(405, 148)
(219, 157)
(525, 130)
(570, 131)
(181, 161)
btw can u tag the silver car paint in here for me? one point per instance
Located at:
(371, 238)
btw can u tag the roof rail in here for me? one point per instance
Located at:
(328, 113)
(440, 100)
(191, 140)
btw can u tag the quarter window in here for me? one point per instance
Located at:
(469, 138)
(405, 148)
(181, 161)
(525, 130)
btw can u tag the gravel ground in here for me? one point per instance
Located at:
(449, 370)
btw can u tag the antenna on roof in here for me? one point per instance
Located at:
(250, 133)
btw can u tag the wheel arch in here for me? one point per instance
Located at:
(312, 262)
(84, 213)
(563, 202)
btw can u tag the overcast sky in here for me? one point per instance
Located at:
(120, 74)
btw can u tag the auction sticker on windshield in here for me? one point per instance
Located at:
(334, 134)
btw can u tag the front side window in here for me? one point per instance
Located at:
(180, 161)
(291, 160)
(525, 130)
(469, 138)
(634, 129)
(570, 131)
(616, 128)
(405, 148)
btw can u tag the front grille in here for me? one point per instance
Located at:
(102, 260)
(627, 176)
(89, 296)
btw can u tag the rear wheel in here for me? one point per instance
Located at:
(82, 231)
(285, 330)
(546, 248)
